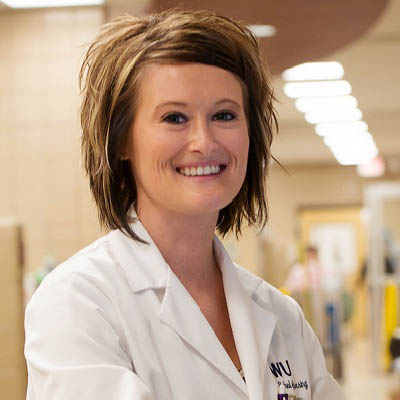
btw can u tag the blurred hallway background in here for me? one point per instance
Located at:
(347, 209)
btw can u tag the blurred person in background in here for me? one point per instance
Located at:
(305, 283)
(177, 122)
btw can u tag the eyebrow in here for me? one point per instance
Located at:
(171, 103)
(183, 104)
(228, 101)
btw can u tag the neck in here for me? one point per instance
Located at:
(185, 242)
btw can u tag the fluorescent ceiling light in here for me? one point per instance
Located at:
(263, 30)
(352, 149)
(341, 128)
(325, 99)
(345, 142)
(317, 117)
(356, 159)
(50, 3)
(356, 155)
(314, 71)
(306, 104)
(317, 89)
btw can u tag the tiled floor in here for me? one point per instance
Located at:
(361, 381)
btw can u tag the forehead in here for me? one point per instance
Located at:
(188, 82)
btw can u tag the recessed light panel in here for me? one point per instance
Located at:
(262, 30)
(312, 71)
(317, 89)
(320, 116)
(50, 3)
(325, 100)
(338, 128)
(352, 149)
(306, 104)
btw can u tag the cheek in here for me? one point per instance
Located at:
(244, 155)
(152, 153)
(240, 146)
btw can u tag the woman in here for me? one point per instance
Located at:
(177, 126)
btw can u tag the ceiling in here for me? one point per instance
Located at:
(364, 35)
(372, 66)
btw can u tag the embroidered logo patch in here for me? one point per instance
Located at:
(294, 384)
(279, 369)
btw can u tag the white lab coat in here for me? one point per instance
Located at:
(114, 322)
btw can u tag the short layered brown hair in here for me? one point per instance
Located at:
(110, 82)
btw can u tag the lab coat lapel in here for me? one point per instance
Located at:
(145, 268)
(252, 324)
(181, 313)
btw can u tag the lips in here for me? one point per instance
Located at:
(212, 169)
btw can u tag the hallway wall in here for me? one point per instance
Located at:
(40, 174)
(307, 186)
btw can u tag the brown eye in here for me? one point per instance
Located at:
(174, 118)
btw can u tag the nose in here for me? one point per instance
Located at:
(202, 138)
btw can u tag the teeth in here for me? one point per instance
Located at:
(200, 171)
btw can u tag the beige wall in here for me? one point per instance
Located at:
(12, 363)
(307, 186)
(40, 174)
(300, 187)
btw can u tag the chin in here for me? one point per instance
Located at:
(207, 207)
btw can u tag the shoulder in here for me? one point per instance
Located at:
(92, 271)
(83, 294)
(270, 298)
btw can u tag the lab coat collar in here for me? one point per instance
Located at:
(181, 313)
(142, 263)
(252, 323)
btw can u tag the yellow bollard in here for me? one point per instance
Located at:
(390, 319)
(285, 290)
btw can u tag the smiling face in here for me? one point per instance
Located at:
(189, 141)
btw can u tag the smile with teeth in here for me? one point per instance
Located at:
(201, 171)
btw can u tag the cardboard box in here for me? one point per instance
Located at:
(11, 251)
(13, 377)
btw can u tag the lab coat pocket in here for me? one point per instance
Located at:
(284, 379)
